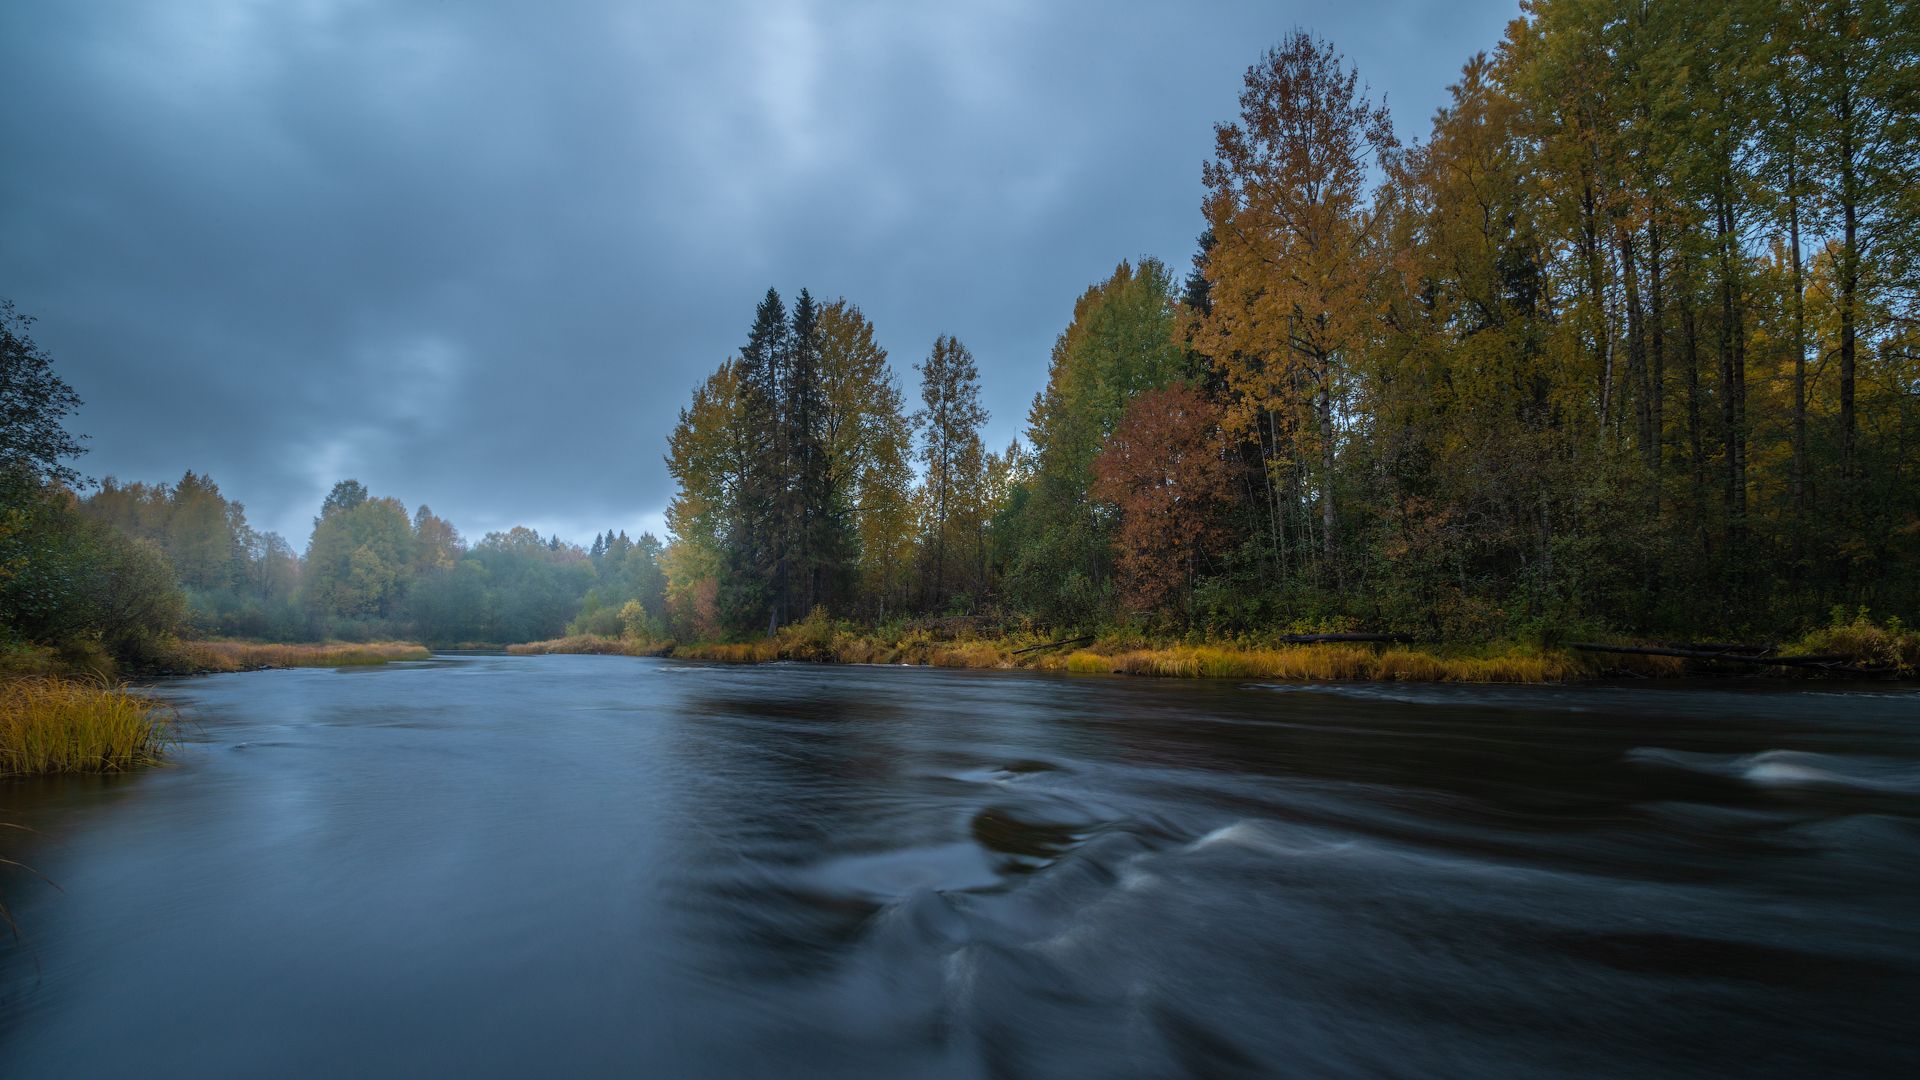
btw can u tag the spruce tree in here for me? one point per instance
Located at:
(950, 448)
(822, 549)
(756, 540)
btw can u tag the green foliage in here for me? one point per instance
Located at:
(1855, 636)
(237, 581)
(1054, 538)
(953, 512)
(34, 404)
(358, 555)
(79, 583)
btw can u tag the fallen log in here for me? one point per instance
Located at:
(1053, 645)
(1823, 663)
(1323, 639)
(1725, 647)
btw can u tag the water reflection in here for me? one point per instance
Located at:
(591, 865)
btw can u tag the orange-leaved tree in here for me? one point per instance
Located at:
(1165, 468)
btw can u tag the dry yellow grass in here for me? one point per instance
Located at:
(587, 645)
(1331, 663)
(59, 725)
(247, 656)
(818, 640)
(746, 652)
(968, 654)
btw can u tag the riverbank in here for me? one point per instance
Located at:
(57, 716)
(211, 657)
(1327, 662)
(1849, 646)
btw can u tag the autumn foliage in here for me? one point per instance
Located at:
(1165, 470)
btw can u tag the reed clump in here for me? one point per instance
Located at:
(217, 656)
(51, 724)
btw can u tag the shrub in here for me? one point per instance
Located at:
(1855, 636)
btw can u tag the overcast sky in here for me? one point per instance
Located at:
(477, 254)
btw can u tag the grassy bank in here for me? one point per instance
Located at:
(1887, 648)
(172, 656)
(197, 657)
(590, 645)
(1300, 663)
(818, 642)
(50, 724)
(1335, 663)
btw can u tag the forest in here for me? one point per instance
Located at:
(1627, 344)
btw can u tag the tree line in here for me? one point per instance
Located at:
(117, 574)
(1630, 341)
(796, 485)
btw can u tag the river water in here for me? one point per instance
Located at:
(576, 866)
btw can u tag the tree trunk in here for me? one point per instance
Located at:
(1696, 442)
(1732, 372)
(1799, 340)
(1326, 462)
(1849, 277)
(1602, 334)
(1657, 403)
(1636, 348)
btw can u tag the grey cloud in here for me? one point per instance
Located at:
(477, 254)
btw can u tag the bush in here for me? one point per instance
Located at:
(1854, 636)
(81, 585)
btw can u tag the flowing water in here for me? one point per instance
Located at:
(577, 866)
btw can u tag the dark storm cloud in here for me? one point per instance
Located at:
(476, 255)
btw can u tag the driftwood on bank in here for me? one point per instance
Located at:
(1735, 655)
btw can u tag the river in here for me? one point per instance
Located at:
(572, 866)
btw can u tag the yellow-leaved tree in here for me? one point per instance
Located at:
(1292, 269)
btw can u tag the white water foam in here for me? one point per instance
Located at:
(1793, 769)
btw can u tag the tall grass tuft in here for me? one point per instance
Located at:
(60, 725)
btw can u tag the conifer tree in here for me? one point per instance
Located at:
(807, 521)
(950, 448)
(755, 590)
